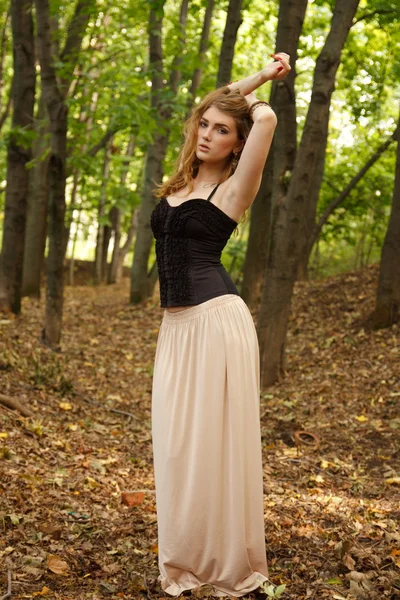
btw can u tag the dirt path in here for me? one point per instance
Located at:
(331, 494)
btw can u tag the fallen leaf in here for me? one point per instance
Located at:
(65, 405)
(43, 592)
(393, 481)
(132, 498)
(57, 565)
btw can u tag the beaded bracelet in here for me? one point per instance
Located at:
(256, 104)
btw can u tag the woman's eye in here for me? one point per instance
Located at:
(223, 131)
(202, 124)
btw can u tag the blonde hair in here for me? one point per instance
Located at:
(228, 101)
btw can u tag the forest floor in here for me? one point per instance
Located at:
(77, 503)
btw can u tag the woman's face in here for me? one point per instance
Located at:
(217, 136)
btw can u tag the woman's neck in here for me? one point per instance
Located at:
(208, 175)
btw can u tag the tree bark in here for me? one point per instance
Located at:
(15, 405)
(54, 96)
(205, 34)
(233, 22)
(387, 308)
(116, 218)
(101, 237)
(36, 230)
(36, 221)
(141, 284)
(3, 52)
(280, 163)
(288, 239)
(18, 155)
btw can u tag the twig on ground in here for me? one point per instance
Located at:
(15, 405)
(114, 410)
(8, 593)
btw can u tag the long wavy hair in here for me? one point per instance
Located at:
(229, 102)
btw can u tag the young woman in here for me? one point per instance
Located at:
(206, 430)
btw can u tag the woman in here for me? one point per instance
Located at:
(206, 430)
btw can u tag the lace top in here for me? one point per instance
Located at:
(189, 242)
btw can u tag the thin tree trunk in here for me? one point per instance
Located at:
(280, 163)
(141, 284)
(36, 230)
(54, 96)
(36, 223)
(205, 34)
(387, 308)
(233, 22)
(289, 233)
(3, 52)
(18, 155)
(117, 216)
(74, 241)
(99, 260)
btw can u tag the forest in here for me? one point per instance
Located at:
(93, 96)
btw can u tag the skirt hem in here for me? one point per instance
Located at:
(175, 589)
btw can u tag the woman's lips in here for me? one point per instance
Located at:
(203, 147)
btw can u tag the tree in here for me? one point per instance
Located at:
(54, 95)
(387, 309)
(289, 234)
(18, 155)
(233, 21)
(38, 198)
(282, 155)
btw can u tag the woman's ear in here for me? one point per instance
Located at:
(239, 147)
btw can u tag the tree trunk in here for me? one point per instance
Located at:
(77, 223)
(54, 96)
(280, 163)
(101, 238)
(387, 308)
(36, 223)
(233, 22)
(205, 34)
(257, 245)
(3, 52)
(116, 218)
(36, 229)
(141, 284)
(18, 154)
(289, 230)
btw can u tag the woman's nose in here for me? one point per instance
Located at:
(207, 134)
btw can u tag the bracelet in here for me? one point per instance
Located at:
(254, 106)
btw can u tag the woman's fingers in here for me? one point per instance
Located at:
(280, 56)
(284, 60)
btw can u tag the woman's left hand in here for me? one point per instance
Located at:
(279, 68)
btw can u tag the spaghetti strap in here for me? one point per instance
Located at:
(212, 193)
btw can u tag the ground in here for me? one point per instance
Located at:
(77, 503)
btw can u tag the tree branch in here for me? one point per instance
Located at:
(175, 74)
(103, 142)
(15, 405)
(76, 30)
(352, 184)
(378, 11)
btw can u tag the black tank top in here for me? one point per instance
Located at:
(189, 242)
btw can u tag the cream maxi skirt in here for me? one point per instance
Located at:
(207, 450)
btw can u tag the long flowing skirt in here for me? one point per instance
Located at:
(207, 450)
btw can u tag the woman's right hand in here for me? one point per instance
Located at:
(278, 69)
